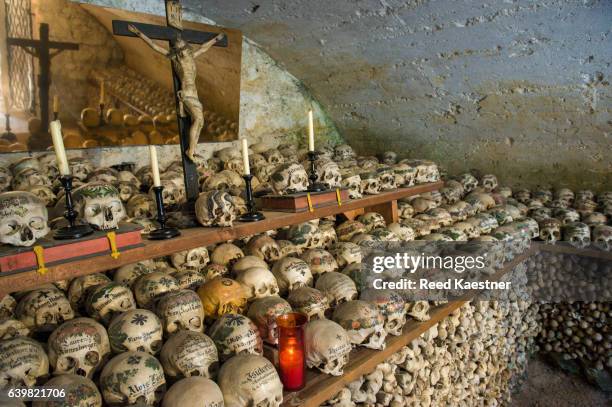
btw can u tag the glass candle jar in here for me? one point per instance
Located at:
(291, 353)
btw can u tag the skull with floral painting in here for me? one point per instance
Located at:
(180, 310)
(263, 312)
(291, 273)
(309, 301)
(215, 208)
(391, 305)
(23, 218)
(189, 354)
(136, 330)
(235, 334)
(99, 205)
(149, 287)
(363, 322)
(43, 309)
(577, 234)
(104, 301)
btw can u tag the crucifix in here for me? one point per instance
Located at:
(41, 49)
(182, 57)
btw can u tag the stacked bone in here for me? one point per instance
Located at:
(574, 330)
(149, 97)
(479, 353)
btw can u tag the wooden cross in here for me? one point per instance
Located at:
(173, 32)
(41, 49)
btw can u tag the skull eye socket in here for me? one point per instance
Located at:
(93, 210)
(9, 228)
(37, 223)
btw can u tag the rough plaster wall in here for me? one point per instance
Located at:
(70, 69)
(517, 88)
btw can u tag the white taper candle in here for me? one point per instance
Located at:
(245, 157)
(58, 145)
(310, 131)
(154, 166)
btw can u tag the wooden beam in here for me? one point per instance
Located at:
(387, 209)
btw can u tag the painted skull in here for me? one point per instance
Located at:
(303, 235)
(149, 287)
(191, 260)
(23, 362)
(44, 309)
(250, 380)
(263, 312)
(363, 322)
(23, 218)
(309, 301)
(141, 206)
(577, 234)
(6, 179)
(319, 261)
(392, 307)
(247, 262)
(194, 391)
(370, 183)
(104, 301)
(291, 273)
(235, 334)
(327, 346)
(489, 182)
(226, 254)
(189, 354)
(215, 208)
(180, 310)
(80, 286)
(99, 205)
(353, 183)
(264, 247)
(328, 173)
(79, 392)
(132, 378)
(403, 232)
(405, 175)
(338, 287)
(79, 346)
(222, 296)
(129, 273)
(135, 330)
(346, 253)
(343, 152)
(550, 230)
(602, 237)
(289, 178)
(348, 229)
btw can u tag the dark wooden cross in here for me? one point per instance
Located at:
(41, 49)
(171, 33)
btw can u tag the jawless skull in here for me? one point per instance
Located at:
(250, 380)
(263, 312)
(189, 354)
(289, 178)
(99, 205)
(136, 330)
(327, 346)
(180, 310)
(235, 334)
(23, 218)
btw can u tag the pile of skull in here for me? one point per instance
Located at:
(574, 330)
(156, 101)
(477, 354)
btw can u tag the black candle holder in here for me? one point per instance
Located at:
(72, 231)
(8, 134)
(163, 232)
(314, 186)
(102, 119)
(252, 215)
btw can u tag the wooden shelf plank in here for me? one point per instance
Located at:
(196, 237)
(566, 248)
(321, 387)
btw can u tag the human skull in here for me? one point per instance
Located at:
(480, 201)
(386, 176)
(23, 362)
(215, 208)
(23, 218)
(363, 323)
(328, 173)
(484, 222)
(226, 254)
(259, 282)
(327, 346)
(372, 220)
(6, 179)
(577, 234)
(235, 334)
(353, 183)
(550, 230)
(247, 262)
(338, 287)
(291, 273)
(129, 273)
(188, 354)
(7, 306)
(346, 253)
(135, 330)
(389, 157)
(222, 296)
(392, 307)
(309, 301)
(180, 310)
(263, 312)
(489, 182)
(602, 237)
(343, 152)
(289, 178)
(502, 215)
(79, 392)
(43, 309)
(79, 346)
(419, 310)
(404, 232)
(192, 259)
(149, 287)
(566, 216)
(468, 181)
(370, 183)
(99, 205)
(303, 235)
(348, 229)
(264, 247)
(141, 206)
(80, 286)
(287, 248)
(132, 378)
(250, 380)
(595, 218)
(319, 261)
(194, 391)
(27, 178)
(104, 301)
(45, 193)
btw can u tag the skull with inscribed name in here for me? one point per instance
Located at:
(250, 380)
(264, 311)
(132, 378)
(23, 362)
(222, 296)
(258, 281)
(194, 391)
(391, 305)
(287, 248)
(264, 247)
(192, 259)
(43, 309)
(23, 218)
(104, 301)
(100, 205)
(319, 261)
(135, 330)
(149, 287)
(338, 287)
(346, 253)
(353, 183)
(180, 310)
(309, 301)
(235, 334)
(215, 208)
(327, 346)
(363, 322)
(291, 273)
(289, 178)
(189, 354)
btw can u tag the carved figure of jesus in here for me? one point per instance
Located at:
(182, 56)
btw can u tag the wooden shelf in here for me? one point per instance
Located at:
(566, 248)
(321, 387)
(197, 237)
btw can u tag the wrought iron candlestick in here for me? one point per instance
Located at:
(72, 231)
(252, 215)
(314, 186)
(8, 134)
(163, 232)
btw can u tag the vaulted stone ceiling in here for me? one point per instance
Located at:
(504, 86)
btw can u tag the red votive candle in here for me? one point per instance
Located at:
(291, 354)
